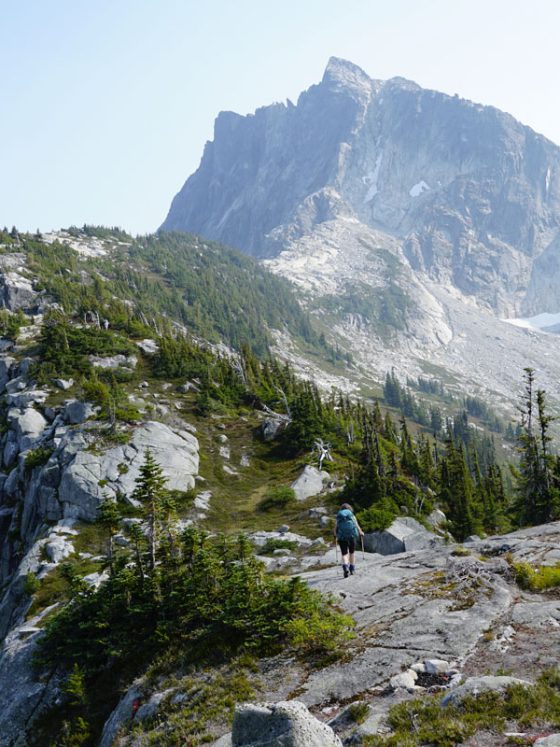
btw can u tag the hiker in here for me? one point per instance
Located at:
(347, 530)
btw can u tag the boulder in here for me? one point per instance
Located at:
(552, 740)
(58, 548)
(26, 398)
(261, 538)
(271, 428)
(309, 483)
(122, 714)
(113, 361)
(437, 518)
(6, 363)
(284, 724)
(404, 679)
(16, 291)
(149, 347)
(316, 513)
(28, 425)
(436, 666)
(77, 412)
(476, 685)
(63, 384)
(404, 534)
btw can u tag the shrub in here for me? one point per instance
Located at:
(375, 519)
(358, 712)
(540, 579)
(276, 498)
(31, 584)
(38, 457)
(319, 632)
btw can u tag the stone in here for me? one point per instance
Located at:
(224, 741)
(58, 548)
(281, 551)
(188, 386)
(114, 361)
(473, 686)
(283, 529)
(404, 534)
(222, 438)
(552, 740)
(436, 518)
(288, 724)
(76, 411)
(26, 398)
(94, 580)
(436, 666)
(262, 537)
(63, 384)
(271, 428)
(325, 521)
(6, 365)
(16, 385)
(309, 483)
(148, 710)
(404, 679)
(202, 500)
(419, 667)
(122, 714)
(148, 347)
(28, 425)
(316, 513)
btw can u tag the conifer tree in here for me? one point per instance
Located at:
(150, 491)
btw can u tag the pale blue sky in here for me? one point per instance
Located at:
(106, 104)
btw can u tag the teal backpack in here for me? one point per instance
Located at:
(346, 528)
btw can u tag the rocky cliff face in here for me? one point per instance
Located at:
(472, 195)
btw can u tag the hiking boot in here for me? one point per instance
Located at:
(345, 570)
(351, 568)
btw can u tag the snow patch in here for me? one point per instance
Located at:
(540, 322)
(547, 181)
(418, 188)
(371, 179)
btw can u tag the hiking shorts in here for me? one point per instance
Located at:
(347, 545)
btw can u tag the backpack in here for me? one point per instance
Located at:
(346, 525)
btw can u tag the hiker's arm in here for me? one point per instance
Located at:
(359, 527)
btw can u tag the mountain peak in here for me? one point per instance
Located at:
(344, 74)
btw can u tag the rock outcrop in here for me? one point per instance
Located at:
(310, 482)
(403, 535)
(284, 724)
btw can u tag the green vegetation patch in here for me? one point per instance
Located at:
(424, 721)
(537, 579)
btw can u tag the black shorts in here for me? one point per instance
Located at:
(347, 545)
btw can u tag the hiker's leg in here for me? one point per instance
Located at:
(344, 550)
(351, 555)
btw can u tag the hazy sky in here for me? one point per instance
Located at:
(106, 104)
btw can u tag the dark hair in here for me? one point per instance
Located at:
(346, 506)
